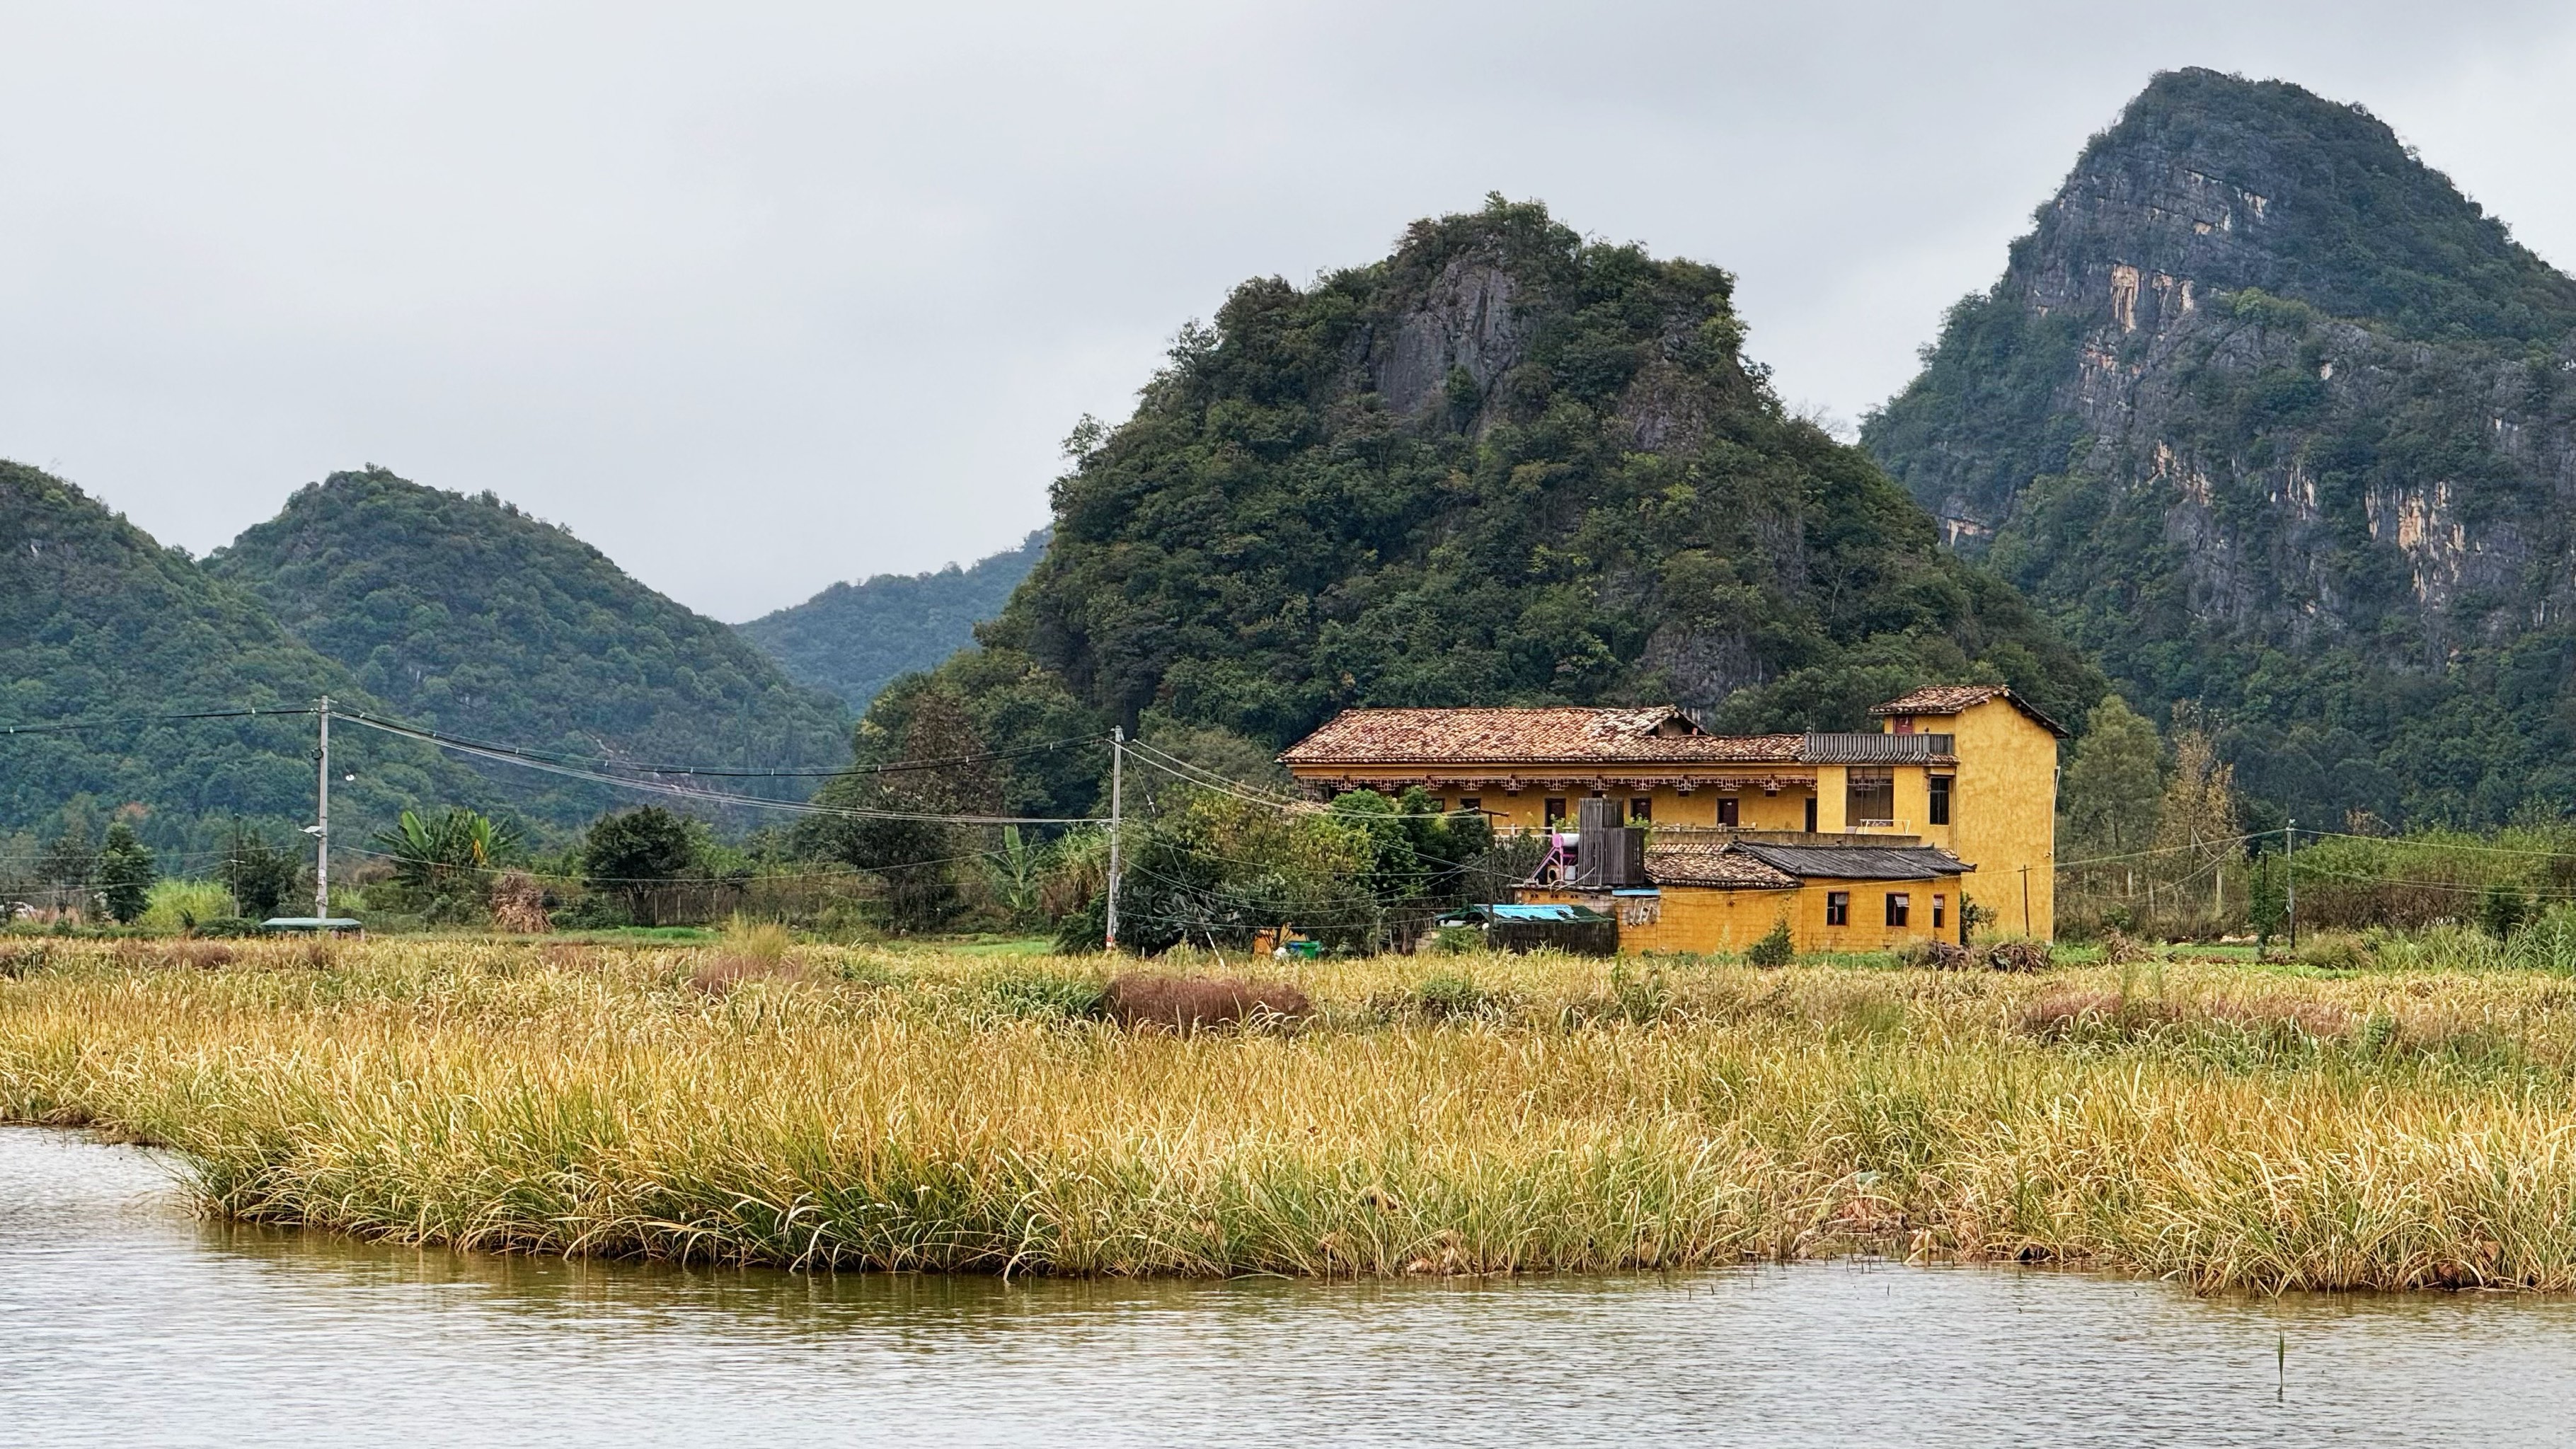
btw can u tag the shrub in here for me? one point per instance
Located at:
(750, 951)
(1138, 1000)
(2015, 953)
(1450, 997)
(2335, 952)
(1041, 995)
(1936, 956)
(2502, 910)
(181, 906)
(1775, 947)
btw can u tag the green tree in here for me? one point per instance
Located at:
(2114, 782)
(260, 876)
(921, 762)
(69, 869)
(2198, 834)
(452, 858)
(2268, 906)
(125, 874)
(635, 854)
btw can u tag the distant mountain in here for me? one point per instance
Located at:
(2270, 417)
(97, 621)
(467, 615)
(853, 639)
(1504, 465)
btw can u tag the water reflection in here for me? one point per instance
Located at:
(124, 1321)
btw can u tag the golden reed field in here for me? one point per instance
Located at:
(756, 1101)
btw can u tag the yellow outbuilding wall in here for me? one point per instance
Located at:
(1697, 919)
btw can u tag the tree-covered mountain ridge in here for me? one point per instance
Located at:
(854, 638)
(2272, 418)
(469, 616)
(1502, 465)
(99, 622)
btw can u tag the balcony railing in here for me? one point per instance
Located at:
(1852, 748)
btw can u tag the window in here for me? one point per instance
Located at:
(1900, 908)
(1940, 905)
(1726, 811)
(1838, 908)
(1471, 802)
(1641, 808)
(1555, 809)
(1811, 815)
(1940, 808)
(1869, 796)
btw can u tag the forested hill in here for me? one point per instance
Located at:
(2269, 416)
(1504, 465)
(853, 638)
(99, 622)
(467, 615)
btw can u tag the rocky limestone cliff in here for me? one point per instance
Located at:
(2274, 419)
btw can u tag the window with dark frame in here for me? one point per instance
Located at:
(1838, 908)
(1940, 911)
(1939, 810)
(1641, 809)
(1726, 813)
(1555, 809)
(1811, 815)
(1869, 796)
(1472, 802)
(1900, 908)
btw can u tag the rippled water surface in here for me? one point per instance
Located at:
(124, 1321)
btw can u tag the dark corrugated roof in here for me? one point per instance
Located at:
(1857, 862)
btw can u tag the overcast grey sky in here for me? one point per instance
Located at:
(758, 297)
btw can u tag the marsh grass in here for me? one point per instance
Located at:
(862, 1107)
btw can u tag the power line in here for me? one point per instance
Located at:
(720, 771)
(508, 756)
(67, 726)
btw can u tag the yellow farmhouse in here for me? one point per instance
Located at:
(1858, 840)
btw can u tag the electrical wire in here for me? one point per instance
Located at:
(506, 756)
(66, 726)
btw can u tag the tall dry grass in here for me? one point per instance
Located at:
(875, 1109)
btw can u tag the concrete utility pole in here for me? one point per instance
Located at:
(322, 820)
(1117, 803)
(2290, 878)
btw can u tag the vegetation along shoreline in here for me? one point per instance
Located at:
(758, 1101)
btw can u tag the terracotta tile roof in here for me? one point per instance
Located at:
(1659, 734)
(1952, 698)
(1711, 864)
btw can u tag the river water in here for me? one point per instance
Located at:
(125, 1321)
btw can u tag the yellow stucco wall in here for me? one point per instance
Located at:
(1703, 918)
(2003, 813)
